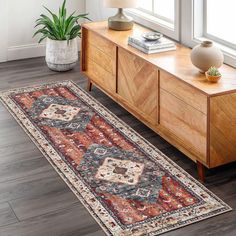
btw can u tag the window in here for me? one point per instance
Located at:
(192, 21)
(164, 10)
(213, 20)
(220, 27)
(161, 15)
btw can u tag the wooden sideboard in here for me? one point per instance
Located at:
(166, 92)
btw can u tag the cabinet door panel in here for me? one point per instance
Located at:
(105, 61)
(183, 91)
(100, 76)
(138, 84)
(100, 61)
(185, 123)
(101, 43)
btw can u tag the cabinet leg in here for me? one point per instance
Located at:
(89, 86)
(201, 171)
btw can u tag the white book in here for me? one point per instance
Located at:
(166, 49)
(142, 42)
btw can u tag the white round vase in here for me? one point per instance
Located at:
(205, 55)
(61, 55)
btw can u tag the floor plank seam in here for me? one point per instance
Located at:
(48, 213)
(13, 211)
(30, 175)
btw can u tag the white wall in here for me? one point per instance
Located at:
(19, 19)
(3, 30)
(97, 11)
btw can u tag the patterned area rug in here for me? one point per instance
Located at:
(126, 184)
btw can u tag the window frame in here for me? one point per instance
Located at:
(211, 36)
(155, 14)
(158, 23)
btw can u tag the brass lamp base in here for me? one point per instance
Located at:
(120, 21)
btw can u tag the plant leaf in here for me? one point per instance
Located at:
(59, 27)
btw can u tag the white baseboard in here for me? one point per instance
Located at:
(29, 51)
(25, 51)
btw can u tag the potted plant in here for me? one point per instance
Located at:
(213, 75)
(61, 33)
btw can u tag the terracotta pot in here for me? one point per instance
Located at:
(61, 55)
(205, 55)
(212, 79)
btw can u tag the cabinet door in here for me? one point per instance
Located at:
(185, 124)
(100, 61)
(138, 85)
(183, 114)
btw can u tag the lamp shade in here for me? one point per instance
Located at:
(120, 3)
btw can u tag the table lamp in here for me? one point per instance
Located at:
(120, 21)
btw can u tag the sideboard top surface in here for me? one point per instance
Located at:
(177, 62)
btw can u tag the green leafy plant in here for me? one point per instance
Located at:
(213, 71)
(59, 27)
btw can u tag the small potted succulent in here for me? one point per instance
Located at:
(213, 75)
(61, 32)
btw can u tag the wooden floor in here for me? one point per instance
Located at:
(34, 201)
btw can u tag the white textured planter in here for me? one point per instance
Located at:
(61, 55)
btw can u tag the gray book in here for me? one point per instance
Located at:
(149, 45)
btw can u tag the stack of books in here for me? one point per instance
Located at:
(149, 47)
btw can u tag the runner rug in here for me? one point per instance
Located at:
(126, 184)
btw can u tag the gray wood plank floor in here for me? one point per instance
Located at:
(34, 201)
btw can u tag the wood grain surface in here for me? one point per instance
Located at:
(185, 122)
(223, 130)
(138, 84)
(177, 63)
